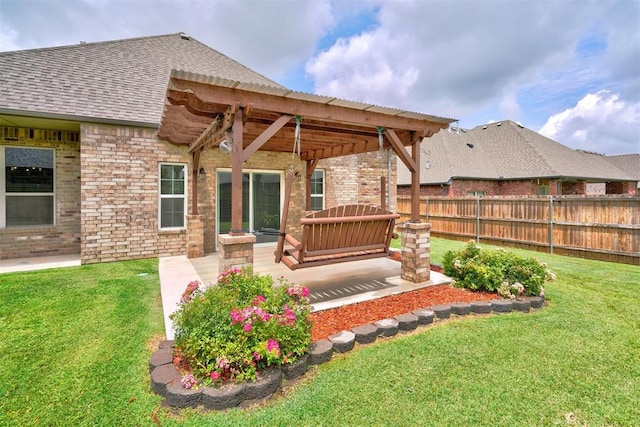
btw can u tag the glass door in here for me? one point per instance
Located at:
(266, 205)
(261, 204)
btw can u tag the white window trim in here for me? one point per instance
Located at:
(324, 187)
(161, 196)
(3, 188)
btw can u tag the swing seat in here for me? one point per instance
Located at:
(339, 234)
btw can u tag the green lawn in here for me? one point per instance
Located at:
(74, 352)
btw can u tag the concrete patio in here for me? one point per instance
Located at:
(330, 286)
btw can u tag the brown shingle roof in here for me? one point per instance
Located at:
(630, 163)
(121, 80)
(505, 150)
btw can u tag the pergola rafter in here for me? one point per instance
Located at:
(201, 110)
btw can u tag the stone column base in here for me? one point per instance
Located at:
(416, 252)
(235, 251)
(195, 236)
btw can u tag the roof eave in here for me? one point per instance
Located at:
(72, 117)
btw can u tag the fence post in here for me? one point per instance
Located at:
(478, 220)
(550, 224)
(426, 208)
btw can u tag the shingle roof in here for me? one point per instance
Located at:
(630, 163)
(505, 150)
(122, 80)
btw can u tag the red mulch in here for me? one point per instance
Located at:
(328, 322)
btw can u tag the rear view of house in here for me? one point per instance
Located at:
(90, 172)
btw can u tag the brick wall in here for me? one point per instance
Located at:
(460, 188)
(355, 179)
(64, 237)
(628, 187)
(120, 194)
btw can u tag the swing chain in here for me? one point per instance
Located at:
(296, 139)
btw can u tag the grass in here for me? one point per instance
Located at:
(73, 346)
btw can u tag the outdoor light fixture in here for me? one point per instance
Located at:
(226, 145)
(202, 174)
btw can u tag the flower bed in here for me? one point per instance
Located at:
(237, 341)
(166, 379)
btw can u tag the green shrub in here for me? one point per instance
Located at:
(506, 273)
(245, 323)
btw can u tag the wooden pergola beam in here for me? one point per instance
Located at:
(198, 94)
(265, 136)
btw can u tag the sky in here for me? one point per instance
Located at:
(569, 69)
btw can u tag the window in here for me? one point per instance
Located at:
(173, 195)
(476, 193)
(543, 190)
(27, 187)
(317, 190)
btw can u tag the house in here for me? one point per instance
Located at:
(156, 146)
(505, 158)
(629, 163)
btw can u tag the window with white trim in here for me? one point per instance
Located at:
(317, 190)
(27, 187)
(173, 195)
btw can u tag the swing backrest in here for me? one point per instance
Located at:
(343, 233)
(347, 229)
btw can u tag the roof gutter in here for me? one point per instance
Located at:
(74, 118)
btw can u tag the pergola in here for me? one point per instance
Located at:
(203, 112)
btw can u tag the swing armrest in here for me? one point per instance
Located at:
(293, 241)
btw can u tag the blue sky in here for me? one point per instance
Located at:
(569, 69)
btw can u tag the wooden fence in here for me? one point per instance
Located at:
(604, 227)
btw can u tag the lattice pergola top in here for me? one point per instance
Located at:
(200, 110)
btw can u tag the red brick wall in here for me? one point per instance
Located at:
(629, 187)
(461, 187)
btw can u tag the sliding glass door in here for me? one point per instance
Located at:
(261, 203)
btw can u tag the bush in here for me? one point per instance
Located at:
(506, 273)
(245, 323)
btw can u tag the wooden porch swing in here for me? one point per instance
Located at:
(338, 234)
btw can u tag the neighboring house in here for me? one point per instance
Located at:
(86, 173)
(508, 159)
(629, 163)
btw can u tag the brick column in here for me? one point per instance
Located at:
(235, 251)
(195, 236)
(416, 250)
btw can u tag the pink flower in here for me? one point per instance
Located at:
(258, 300)
(215, 376)
(247, 327)
(273, 346)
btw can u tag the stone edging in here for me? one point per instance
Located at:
(165, 378)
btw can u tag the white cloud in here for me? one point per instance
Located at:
(354, 67)
(600, 121)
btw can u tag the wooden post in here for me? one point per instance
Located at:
(383, 192)
(415, 179)
(194, 182)
(311, 166)
(236, 176)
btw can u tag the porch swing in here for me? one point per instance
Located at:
(334, 235)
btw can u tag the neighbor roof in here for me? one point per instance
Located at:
(630, 163)
(122, 80)
(505, 150)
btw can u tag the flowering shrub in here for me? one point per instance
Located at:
(243, 325)
(506, 273)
